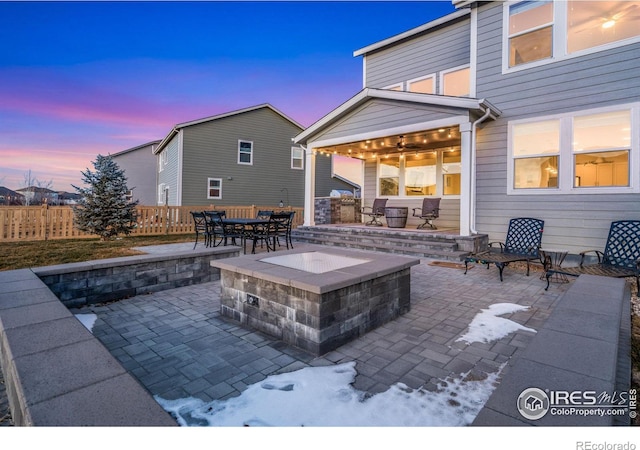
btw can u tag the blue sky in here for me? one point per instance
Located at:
(78, 79)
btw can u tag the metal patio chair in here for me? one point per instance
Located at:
(620, 259)
(428, 213)
(375, 211)
(524, 237)
(200, 225)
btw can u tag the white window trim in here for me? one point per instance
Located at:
(209, 180)
(559, 37)
(565, 158)
(453, 69)
(252, 148)
(301, 159)
(415, 80)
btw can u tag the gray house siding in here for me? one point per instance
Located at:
(169, 175)
(139, 165)
(211, 151)
(604, 78)
(439, 50)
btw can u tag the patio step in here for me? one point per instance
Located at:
(418, 244)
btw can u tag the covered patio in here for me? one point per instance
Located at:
(411, 146)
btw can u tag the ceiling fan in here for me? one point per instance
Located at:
(402, 145)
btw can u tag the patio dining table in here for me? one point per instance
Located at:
(248, 225)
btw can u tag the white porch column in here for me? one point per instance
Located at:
(465, 179)
(309, 187)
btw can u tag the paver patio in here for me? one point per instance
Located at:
(178, 345)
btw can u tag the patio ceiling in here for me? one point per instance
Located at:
(429, 140)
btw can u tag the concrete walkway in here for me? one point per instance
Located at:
(177, 345)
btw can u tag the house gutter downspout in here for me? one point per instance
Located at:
(472, 190)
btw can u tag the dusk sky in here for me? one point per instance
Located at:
(78, 79)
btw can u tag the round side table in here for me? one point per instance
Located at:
(552, 258)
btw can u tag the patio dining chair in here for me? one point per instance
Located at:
(285, 224)
(267, 233)
(374, 211)
(221, 232)
(620, 258)
(200, 225)
(524, 237)
(429, 212)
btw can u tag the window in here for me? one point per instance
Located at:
(591, 151)
(245, 152)
(530, 31)
(423, 85)
(163, 160)
(297, 158)
(593, 24)
(538, 32)
(601, 149)
(456, 82)
(451, 169)
(390, 175)
(394, 87)
(420, 174)
(416, 174)
(536, 146)
(214, 188)
(163, 194)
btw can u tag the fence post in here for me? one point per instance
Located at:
(45, 207)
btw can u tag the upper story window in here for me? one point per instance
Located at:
(297, 158)
(422, 85)
(394, 87)
(456, 82)
(163, 158)
(530, 32)
(245, 152)
(538, 32)
(585, 152)
(214, 188)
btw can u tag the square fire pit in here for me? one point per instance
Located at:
(315, 298)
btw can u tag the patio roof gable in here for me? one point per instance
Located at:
(353, 105)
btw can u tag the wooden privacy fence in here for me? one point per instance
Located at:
(36, 223)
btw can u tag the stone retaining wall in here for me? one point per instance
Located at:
(56, 372)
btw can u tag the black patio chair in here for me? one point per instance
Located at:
(264, 213)
(284, 227)
(267, 233)
(375, 211)
(200, 225)
(429, 212)
(523, 241)
(221, 232)
(620, 259)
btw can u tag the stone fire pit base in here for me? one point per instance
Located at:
(315, 298)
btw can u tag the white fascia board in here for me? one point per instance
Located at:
(410, 33)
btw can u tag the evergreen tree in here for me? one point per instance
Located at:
(103, 208)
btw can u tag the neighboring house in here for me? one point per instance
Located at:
(68, 198)
(140, 168)
(10, 198)
(243, 157)
(502, 109)
(34, 195)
